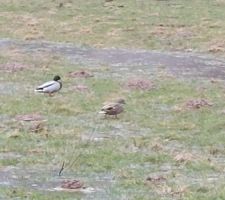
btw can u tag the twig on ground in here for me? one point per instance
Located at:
(62, 168)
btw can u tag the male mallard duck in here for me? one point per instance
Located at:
(113, 108)
(50, 87)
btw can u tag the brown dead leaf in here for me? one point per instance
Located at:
(80, 74)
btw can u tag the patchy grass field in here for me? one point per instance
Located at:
(168, 25)
(169, 142)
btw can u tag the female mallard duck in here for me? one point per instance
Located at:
(113, 108)
(50, 87)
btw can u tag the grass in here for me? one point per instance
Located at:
(156, 136)
(167, 25)
(181, 149)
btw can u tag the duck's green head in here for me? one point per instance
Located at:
(56, 78)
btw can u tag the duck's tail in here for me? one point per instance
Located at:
(102, 112)
(39, 90)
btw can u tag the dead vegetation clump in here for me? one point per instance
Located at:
(184, 157)
(197, 103)
(72, 184)
(139, 84)
(80, 74)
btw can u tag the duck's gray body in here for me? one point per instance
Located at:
(50, 86)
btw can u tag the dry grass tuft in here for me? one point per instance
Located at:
(184, 157)
(139, 84)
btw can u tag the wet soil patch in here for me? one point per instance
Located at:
(179, 64)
